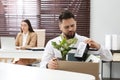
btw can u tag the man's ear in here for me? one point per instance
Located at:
(60, 25)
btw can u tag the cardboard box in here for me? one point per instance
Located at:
(82, 67)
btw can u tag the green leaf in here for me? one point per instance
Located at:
(64, 46)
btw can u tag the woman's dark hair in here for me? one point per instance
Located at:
(66, 15)
(29, 25)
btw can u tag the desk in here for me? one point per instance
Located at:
(20, 54)
(20, 72)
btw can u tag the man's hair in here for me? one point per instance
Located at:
(66, 15)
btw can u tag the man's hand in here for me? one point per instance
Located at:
(52, 64)
(92, 44)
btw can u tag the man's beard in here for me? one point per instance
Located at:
(69, 36)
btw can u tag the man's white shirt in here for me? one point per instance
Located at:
(50, 52)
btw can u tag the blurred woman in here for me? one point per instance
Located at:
(25, 39)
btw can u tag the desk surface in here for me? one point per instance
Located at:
(20, 72)
(20, 54)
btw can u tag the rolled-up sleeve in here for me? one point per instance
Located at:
(105, 54)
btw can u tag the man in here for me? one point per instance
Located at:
(67, 25)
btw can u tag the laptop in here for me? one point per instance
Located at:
(7, 43)
(36, 48)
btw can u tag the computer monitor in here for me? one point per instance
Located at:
(7, 43)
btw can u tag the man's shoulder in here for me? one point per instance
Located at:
(80, 36)
(56, 38)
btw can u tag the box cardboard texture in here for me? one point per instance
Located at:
(81, 67)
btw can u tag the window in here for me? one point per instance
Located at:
(13, 11)
(43, 14)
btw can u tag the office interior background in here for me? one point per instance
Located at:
(95, 19)
(105, 19)
(43, 14)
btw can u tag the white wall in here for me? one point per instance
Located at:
(105, 19)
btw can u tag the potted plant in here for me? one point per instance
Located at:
(64, 46)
